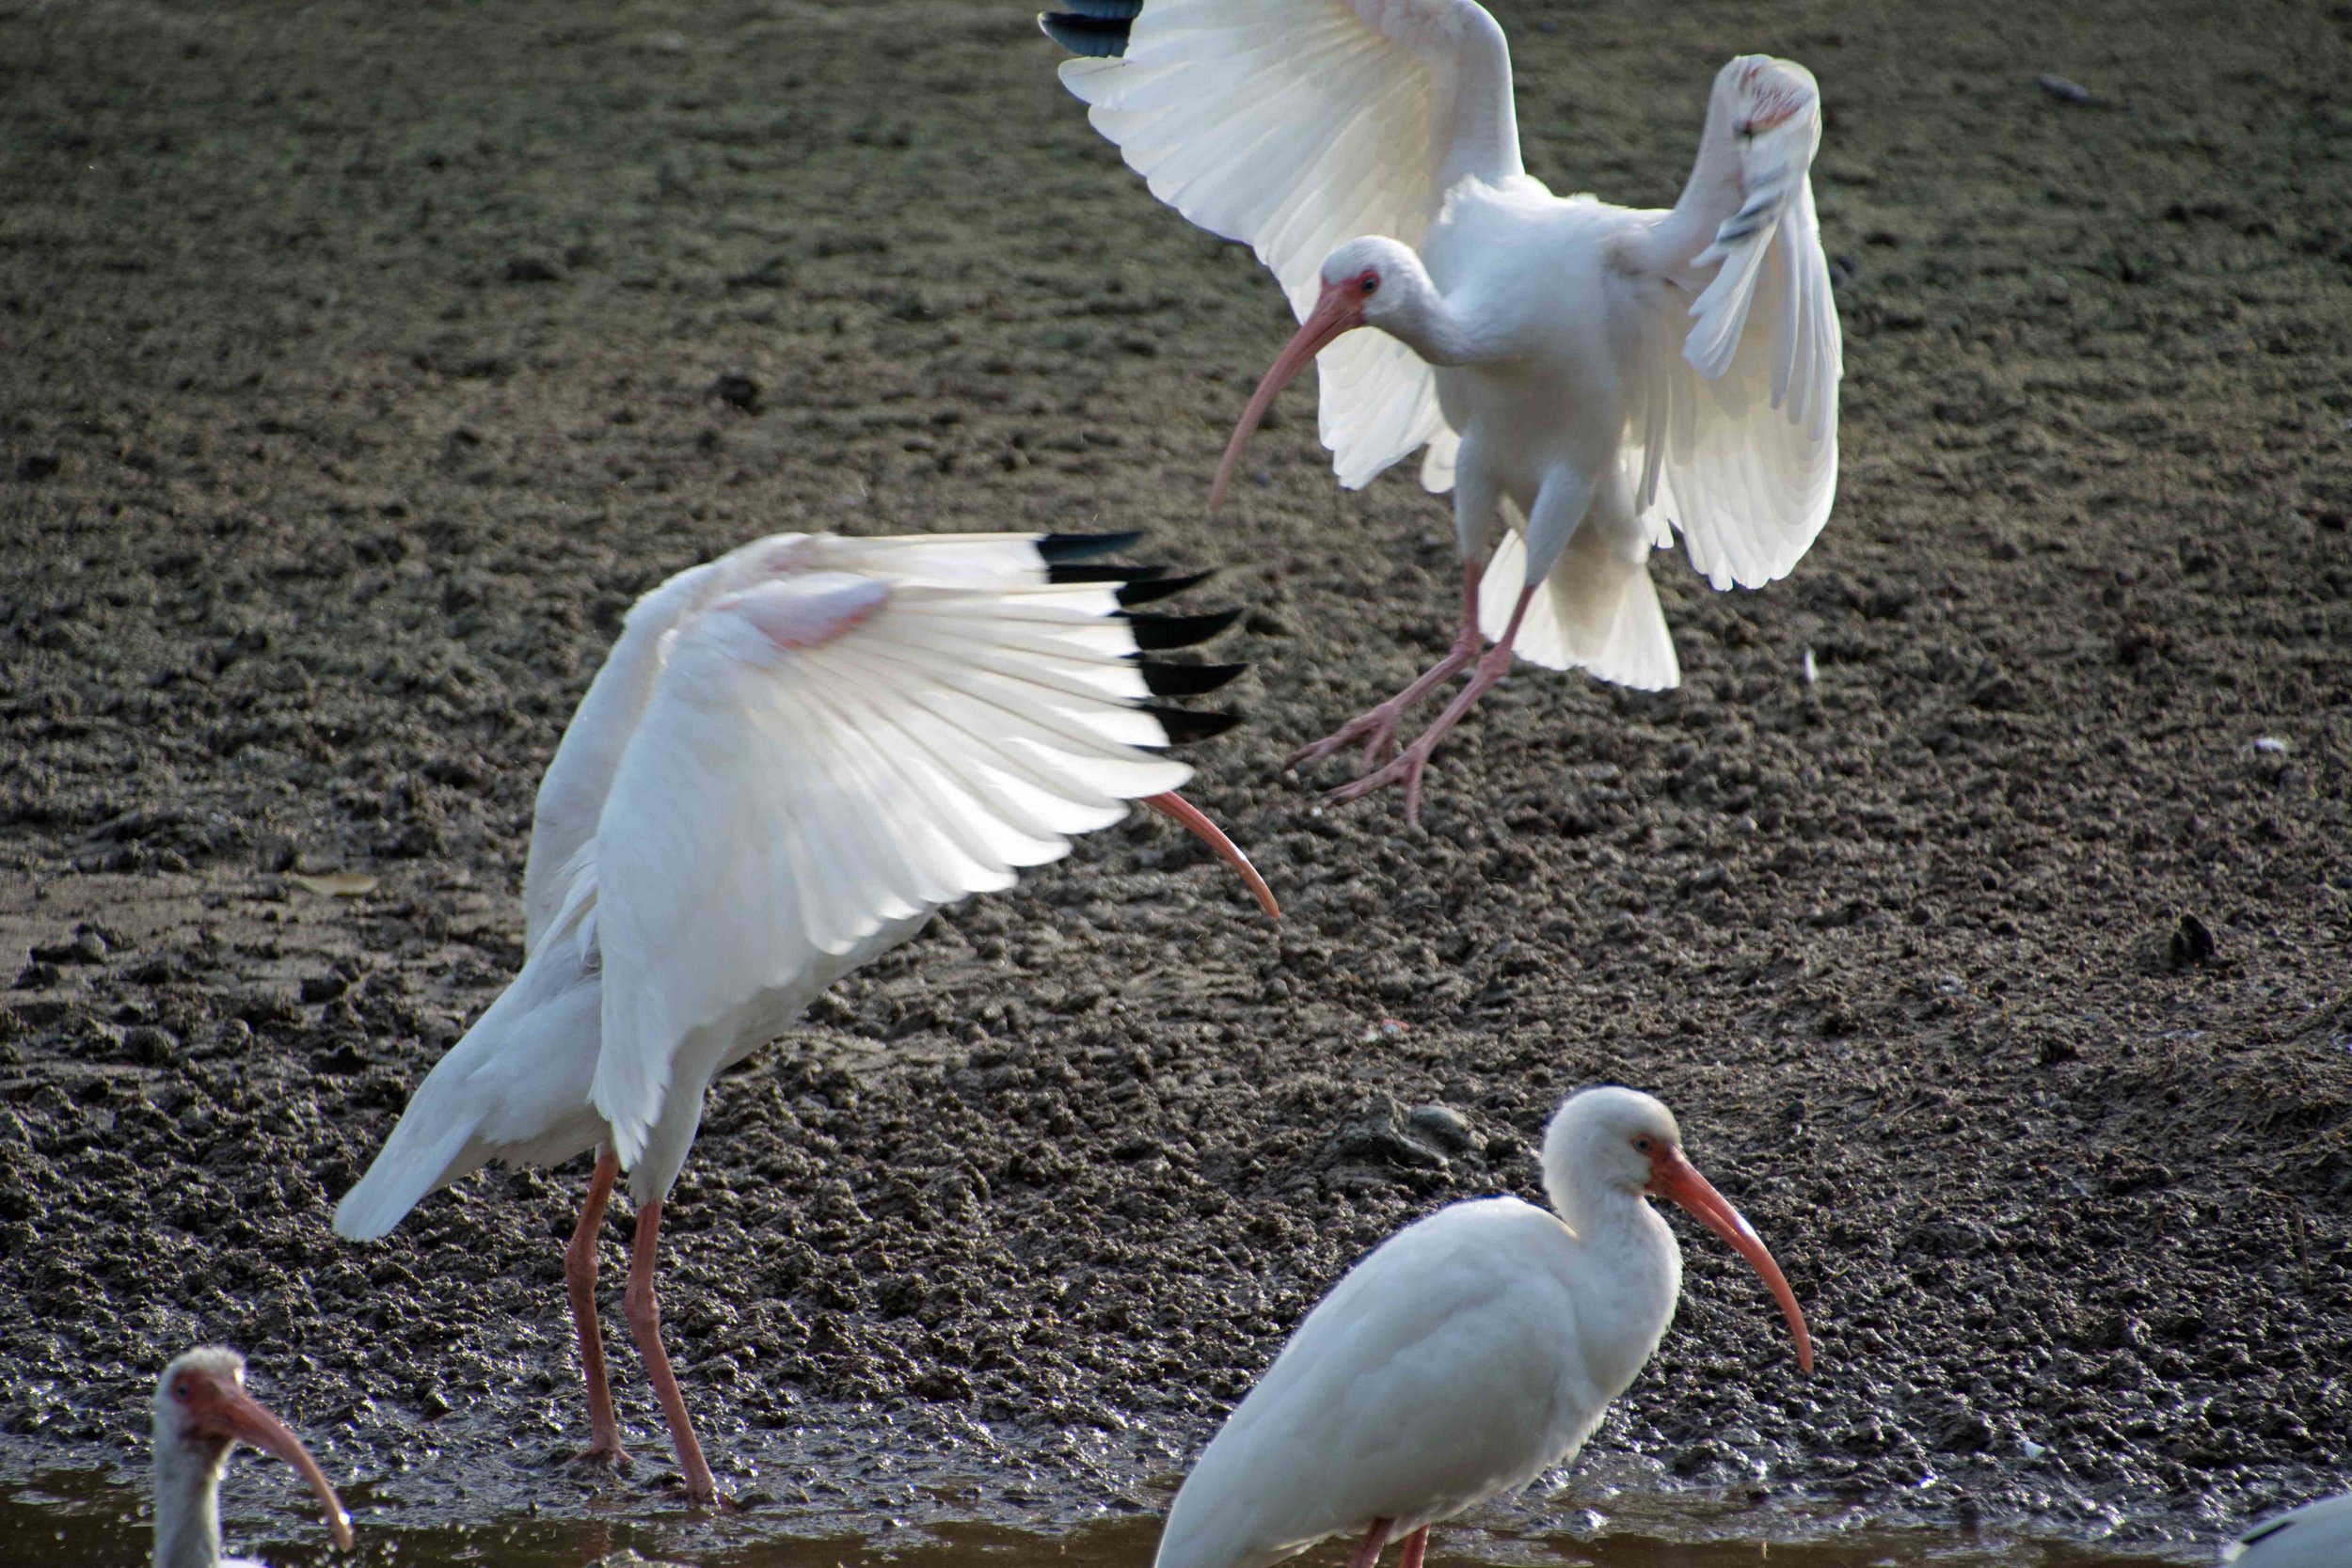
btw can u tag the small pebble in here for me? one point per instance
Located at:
(737, 391)
(2062, 89)
(87, 947)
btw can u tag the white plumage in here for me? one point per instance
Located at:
(1593, 378)
(1468, 1354)
(1296, 125)
(202, 1413)
(793, 755)
(2317, 1535)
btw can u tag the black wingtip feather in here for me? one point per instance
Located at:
(1156, 633)
(1112, 572)
(1189, 680)
(1093, 37)
(1057, 549)
(1158, 587)
(1184, 726)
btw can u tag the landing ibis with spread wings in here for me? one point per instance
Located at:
(1587, 379)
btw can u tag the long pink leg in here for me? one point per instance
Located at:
(1374, 1538)
(579, 1281)
(645, 1321)
(1415, 1544)
(1410, 762)
(1376, 727)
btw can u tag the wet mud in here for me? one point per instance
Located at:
(95, 1522)
(1981, 900)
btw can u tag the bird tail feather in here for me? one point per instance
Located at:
(426, 1153)
(1597, 611)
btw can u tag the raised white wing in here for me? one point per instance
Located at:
(1732, 409)
(1297, 125)
(572, 793)
(829, 751)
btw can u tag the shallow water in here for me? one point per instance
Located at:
(82, 1519)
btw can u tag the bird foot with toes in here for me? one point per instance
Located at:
(1407, 767)
(602, 1456)
(1411, 764)
(675, 1485)
(1376, 726)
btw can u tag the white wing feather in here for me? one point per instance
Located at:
(826, 753)
(1732, 433)
(578, 776)
(1297, 125)
(572, 793)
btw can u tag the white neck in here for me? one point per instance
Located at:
(187, 1502)
(1424, 320)
(1626, 1295)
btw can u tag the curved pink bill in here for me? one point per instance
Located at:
(1338, 310)
(1673, 1176)
(223, 1407)
(1174, 805)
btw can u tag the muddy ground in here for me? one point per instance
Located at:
(359, 363)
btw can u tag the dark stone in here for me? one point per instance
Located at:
(737, 391)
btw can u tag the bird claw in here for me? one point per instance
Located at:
(1307, 756)
(602, 1456)
(1379, 723)
(1381, 741)
(1408, 766)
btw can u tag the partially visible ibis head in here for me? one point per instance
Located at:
(1758, 93)
(1371, 281)
(1624, 1141)
(203, 1410)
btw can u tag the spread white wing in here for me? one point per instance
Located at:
(852, 733)
(1732, 433)
(572, 792)
(1297, 125)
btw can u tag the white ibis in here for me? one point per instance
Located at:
(202, 1412)
(792, 756)
(1471, 1351)
(2317, 1535)
(1593, 377)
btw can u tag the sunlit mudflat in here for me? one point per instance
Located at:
(80, 1519)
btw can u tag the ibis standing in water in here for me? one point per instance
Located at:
(1471, 1351)
(1586, 378)
(202, 1411)
(791, 757)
